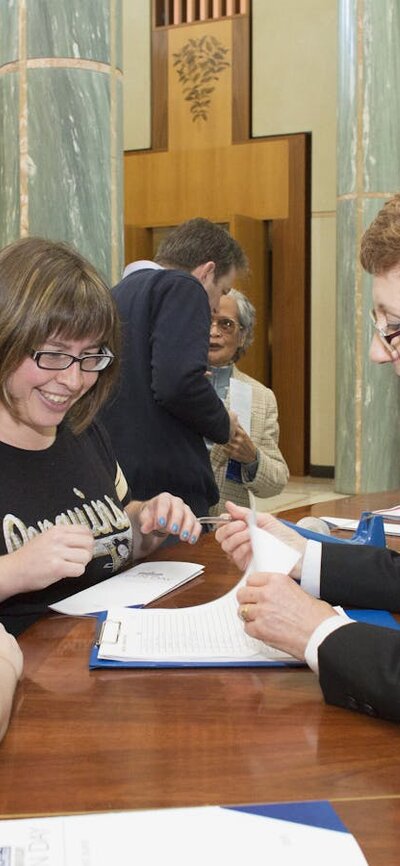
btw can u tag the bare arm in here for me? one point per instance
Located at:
(11, 664)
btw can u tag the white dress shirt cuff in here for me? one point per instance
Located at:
(311, 568)
(327, 626)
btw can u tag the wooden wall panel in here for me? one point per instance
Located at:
(241, 79)
(138, 244)
(159, 90)
(251, 235)
(291, 310)
(167, 188)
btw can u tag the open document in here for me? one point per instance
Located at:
(134, 587)
(281, 833)
(209, 633)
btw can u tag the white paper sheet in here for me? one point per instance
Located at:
(136, 586)
(202, 836)
(208, 632)
(240, 400)
(351, 525)
(393, 512)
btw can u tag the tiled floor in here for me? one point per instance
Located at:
(300, 491)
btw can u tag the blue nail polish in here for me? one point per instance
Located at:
(193, 539)
(175, 527)
(185, 535)
(161, 521)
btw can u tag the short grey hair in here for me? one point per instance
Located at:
(247, 320)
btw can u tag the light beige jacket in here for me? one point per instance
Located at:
(272, 472)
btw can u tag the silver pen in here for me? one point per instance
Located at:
(217, 521)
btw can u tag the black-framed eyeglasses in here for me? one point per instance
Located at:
(226, 325)
(385, 336)
(62, 360)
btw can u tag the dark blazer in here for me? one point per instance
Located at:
(359, 664)
(164, 405)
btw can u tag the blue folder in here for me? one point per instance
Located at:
(381, 618)
(313, 813)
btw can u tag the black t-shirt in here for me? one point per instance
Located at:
(73, 481)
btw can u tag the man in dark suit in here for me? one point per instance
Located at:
(358, 664)
(165, 405)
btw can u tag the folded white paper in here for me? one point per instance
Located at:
(136, 586)
(240, 395)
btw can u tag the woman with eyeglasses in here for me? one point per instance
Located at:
(67, 519)
(249, 462)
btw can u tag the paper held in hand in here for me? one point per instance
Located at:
(206, 634)
(134, 587)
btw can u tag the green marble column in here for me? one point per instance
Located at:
(61, 147)
(368, 165)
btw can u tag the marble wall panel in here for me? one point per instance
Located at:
(347, 92)
(118, 34)
(70, 160)
(8, 31)
(9, 159)
(380, 400)
(345, 349)
(119, 229)
(69, 29)
(381, 115)
(368, 397)
(380, 467)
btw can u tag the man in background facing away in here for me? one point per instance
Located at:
(165, 405)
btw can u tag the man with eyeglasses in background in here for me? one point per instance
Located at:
(165, 406)
(358, 665)
(250, 461)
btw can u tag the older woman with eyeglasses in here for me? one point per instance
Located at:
(65, 508)
(251, 462)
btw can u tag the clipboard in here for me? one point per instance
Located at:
(95, 662)
(381, 618)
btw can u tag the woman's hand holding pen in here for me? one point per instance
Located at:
(154, 520)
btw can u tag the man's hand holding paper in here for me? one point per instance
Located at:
(234, 537)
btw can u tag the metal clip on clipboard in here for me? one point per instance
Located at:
(107, 631)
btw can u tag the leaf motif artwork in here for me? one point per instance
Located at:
(199, 64)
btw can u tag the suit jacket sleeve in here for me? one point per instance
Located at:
(360, 576)
(359, 668)
(179, 350)
(272, 472)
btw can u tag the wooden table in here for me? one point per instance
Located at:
(130, 739)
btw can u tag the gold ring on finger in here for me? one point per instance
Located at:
(244, 613)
